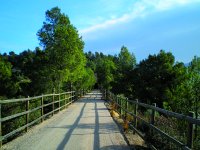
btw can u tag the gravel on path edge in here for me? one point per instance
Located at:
(134, 141)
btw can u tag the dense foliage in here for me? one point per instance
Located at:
(157, 79)
(60, 66)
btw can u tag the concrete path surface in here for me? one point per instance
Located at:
(84, 125)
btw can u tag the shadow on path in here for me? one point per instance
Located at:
(69, 133)
(96, 145)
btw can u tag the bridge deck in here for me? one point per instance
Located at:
(85, 125)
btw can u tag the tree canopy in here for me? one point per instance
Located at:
(60, 65)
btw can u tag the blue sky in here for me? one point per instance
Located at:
(144, 26)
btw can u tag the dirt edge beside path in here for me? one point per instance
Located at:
(133, 139)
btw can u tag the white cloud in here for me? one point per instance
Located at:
(125, 17)
(138, 9)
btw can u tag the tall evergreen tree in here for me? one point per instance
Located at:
(63, 46)
(125, 63)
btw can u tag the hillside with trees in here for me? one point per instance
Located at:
(61, 65)
(157, 79)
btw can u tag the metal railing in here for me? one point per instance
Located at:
(40, 106)
(127, 107)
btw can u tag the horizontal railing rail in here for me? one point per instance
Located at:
(121, 105)
(168, 113)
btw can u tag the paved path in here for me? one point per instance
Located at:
(85, 125)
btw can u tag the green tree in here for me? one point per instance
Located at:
(5, 75)
(105, 71)
(87, 80)
(194, 70)
(34, 65)
(153, 77)
(63, 46)
(125, 63)
(91, 60)
(126, 60)
(184, 96)
(12, 78)
(5, 69)
(179, 94)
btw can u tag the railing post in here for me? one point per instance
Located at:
(68, 96)
(0, 129)
(27, 115)
(135, 113)
(53, 107)
(190, 136)
(76, 94)
(105, 95)
(116, 102)
(152, 118)
(71, 96)
(59, 103)
(42, 109)
(126, 106)
(120, 101)
(65, 100)
(126, 121)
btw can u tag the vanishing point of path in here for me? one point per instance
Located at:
(84, 125)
